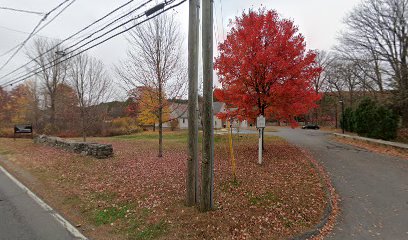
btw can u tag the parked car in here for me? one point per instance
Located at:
(311, 126)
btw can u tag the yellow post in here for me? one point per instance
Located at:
(233, 164)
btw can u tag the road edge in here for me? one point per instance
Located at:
(397, 145)
(67, 225)
(330, 212)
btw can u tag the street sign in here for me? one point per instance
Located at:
(260, 124)
(260, 121)
(23, 128)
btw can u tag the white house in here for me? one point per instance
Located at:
(180, 113)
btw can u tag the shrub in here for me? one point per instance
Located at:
(123, 126)
(387, 124)
(347, 121)
(366, 118)
(6, 132)
(374, 121)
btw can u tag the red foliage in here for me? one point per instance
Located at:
(264, 68)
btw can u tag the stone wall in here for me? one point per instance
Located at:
(84, 148)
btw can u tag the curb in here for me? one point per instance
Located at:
(67, 225)
(375, 141)
(327, 211)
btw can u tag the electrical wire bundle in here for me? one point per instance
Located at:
(101, 34)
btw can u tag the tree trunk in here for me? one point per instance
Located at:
(336, 117)
(160, 132)
(83, 125)
(160, 119)
(52, 113)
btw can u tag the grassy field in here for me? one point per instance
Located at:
(136, 195)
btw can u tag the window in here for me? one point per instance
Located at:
(184, 120)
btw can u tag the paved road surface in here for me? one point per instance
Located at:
(21, 218)
(373, 187)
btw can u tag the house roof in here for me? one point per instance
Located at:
(180, 110)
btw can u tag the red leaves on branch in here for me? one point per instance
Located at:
(264, 68)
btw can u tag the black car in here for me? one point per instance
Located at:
(311, 126)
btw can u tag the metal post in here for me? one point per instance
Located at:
(192, 161)
(342, 115)
(260, 147)
(207, 167)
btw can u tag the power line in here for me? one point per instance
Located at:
(23, 11)
(96, 44)
(33, 32)
(18, 31)
(9, 51)
(98, 37)
(51, 20)
(70, 37)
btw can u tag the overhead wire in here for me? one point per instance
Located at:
(19, 31)
(96, 44)
(22, 11)
(57, 15)
(98, 37)
(70, 37)
(20, 46)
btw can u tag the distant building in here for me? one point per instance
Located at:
(179, 113)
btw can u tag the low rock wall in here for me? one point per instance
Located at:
(84, 148)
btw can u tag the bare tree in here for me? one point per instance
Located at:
(51, 73)
(343, 77)
(379, 29)
(323, 60)
(34, 97)
(92, 86)
(155, 61)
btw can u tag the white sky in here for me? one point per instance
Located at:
(318, 20)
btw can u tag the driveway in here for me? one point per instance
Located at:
(373, 188)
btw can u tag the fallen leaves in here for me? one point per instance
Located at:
(139, 193)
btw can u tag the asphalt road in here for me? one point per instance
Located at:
(373, 188)
(22, 218)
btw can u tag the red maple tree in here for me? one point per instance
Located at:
(264, 68)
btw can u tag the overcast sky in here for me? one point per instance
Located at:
(318, 20)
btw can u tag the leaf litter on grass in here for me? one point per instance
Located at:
(139, 196)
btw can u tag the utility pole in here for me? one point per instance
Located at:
(342, 115)
(192, 161)
(207, 165)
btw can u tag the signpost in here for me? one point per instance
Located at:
(260, 125)
(23, 128)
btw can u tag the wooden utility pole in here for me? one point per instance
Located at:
(207, 165)
(192, 161)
